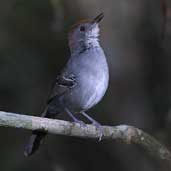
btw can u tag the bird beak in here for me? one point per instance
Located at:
(98, 18)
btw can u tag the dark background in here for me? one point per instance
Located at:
(136, 37)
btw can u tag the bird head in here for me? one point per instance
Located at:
(85, 30)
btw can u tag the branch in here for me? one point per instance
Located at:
(127, 134)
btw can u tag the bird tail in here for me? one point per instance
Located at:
(34, 142)
(36, 138)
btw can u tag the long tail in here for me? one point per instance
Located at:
(35, 139)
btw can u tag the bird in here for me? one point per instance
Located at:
(81, 84)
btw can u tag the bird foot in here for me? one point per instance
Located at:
(99, 128)
(81, 123)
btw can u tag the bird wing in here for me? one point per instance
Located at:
(62, 85)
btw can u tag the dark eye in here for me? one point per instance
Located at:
(82, 28)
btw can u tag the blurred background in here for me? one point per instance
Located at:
(136, 37)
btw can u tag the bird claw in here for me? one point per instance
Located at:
(99, 128)
(81, 123)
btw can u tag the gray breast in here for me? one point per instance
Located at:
(91, 71)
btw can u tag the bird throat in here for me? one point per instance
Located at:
(84, 45)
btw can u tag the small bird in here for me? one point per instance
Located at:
(83, 81)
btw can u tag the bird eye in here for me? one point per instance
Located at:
(82, 28)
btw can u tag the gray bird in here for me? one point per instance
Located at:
(83, 81)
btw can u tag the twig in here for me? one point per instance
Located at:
(127, 134)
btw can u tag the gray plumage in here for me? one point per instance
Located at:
(83, 81)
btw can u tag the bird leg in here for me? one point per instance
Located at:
(82, 124)
(96, 124)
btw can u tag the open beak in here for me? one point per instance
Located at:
(98, 18)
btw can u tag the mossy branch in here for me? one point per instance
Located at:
(127, 134)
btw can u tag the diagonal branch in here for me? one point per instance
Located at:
(127, 134)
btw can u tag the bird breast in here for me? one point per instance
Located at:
(91, 71)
